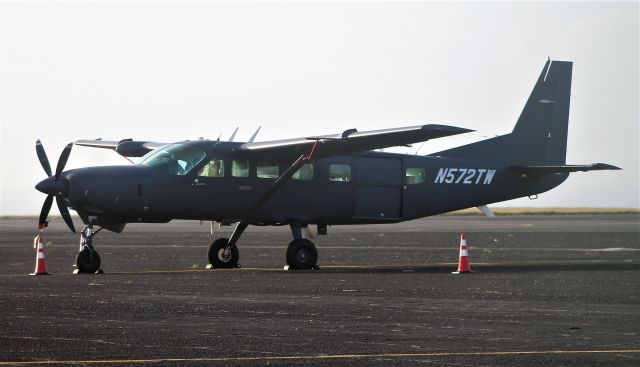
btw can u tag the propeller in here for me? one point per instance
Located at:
(53, 186)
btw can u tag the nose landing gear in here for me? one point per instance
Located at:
(88, 259)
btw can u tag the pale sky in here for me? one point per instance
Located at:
(175, 71)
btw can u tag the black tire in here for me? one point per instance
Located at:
(88, 261)
(302, 254)
(217, 258)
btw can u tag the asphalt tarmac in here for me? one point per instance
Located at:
(546, 291)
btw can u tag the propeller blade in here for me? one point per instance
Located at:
(64, 211)
(62, 161)
(42, 156)
(44, 213)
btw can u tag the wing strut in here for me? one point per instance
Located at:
(284, 177)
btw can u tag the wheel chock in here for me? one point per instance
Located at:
(77, 271)
(210, 266)
(289, 268)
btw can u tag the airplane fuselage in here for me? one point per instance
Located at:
(370, 187)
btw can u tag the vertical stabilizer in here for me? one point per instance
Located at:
(540, 135)
(541, 130)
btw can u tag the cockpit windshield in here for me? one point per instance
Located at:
(177, 159)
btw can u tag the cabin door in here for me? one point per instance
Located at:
(378, 191)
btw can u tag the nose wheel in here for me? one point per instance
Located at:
(88, 259)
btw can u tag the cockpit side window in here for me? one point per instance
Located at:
(177, 159)
(215, 168)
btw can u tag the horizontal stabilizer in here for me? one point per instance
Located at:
(349, 141)
(126, 147)
(565, 168)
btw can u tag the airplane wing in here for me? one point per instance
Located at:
(565, 168)
(126, 147)
(350, 141)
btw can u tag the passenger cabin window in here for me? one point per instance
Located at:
(267, 170)
(340, 172)
(215, 168)
(239, 168)
(414, 176)
(304, 173)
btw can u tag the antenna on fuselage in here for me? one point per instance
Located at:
(234, 134)
(255, 134)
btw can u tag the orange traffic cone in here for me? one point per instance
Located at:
(41, 262)
(463, 262)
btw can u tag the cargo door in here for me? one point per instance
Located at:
(378, 192)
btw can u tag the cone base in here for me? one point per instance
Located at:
(39, 274)
(461, 272)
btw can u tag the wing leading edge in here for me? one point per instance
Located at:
(126, 147)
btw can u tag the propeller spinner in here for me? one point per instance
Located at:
(53, 186)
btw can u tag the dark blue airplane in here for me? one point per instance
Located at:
(320, 180)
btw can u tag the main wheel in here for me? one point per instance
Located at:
(219, 259)
(302, 254)
(88, 261)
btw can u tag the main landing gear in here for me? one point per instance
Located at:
(88, 259)
(301, 253)
(223, 252)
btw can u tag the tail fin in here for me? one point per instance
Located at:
(540, 135)
(541, 131)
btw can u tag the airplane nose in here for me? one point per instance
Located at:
(51, 186)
